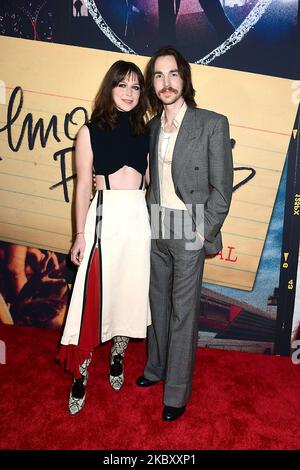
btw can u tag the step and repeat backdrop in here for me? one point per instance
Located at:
(245, 64)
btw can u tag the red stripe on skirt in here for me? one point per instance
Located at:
(75, 355)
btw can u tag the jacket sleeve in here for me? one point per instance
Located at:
(220, 179)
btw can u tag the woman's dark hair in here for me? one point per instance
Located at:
(184, 70)
(104, 112)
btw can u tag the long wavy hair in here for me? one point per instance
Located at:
(104, 113)
(184, 70)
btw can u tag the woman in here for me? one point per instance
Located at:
(112, 240)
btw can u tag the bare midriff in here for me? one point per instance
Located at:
(124, 178)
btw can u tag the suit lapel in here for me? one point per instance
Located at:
(154, 152)
(184, 144)
(182, 150)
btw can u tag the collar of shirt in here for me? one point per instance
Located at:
(177, 119)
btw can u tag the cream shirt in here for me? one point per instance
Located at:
(166, 144)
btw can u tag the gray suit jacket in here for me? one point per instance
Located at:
(202, 169)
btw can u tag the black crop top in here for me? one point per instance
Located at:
(112, 149)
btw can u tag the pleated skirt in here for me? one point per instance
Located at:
(110, 296)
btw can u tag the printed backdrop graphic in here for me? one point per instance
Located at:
(46, 90)
(34, 286)
(258, 36)
(42, 115)
(296, 318)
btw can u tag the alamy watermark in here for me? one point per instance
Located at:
(165, 223)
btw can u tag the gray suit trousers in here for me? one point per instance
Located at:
(175, 288)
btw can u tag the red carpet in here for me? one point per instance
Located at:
(239, 401)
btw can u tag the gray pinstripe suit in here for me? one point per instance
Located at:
(202, 173)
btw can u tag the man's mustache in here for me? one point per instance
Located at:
(168, 88)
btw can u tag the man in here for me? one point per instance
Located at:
(190, 168)
(78, 5)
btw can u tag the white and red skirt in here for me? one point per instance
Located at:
(110, 295)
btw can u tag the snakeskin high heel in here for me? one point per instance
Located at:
(78, 390)
(116, 373)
